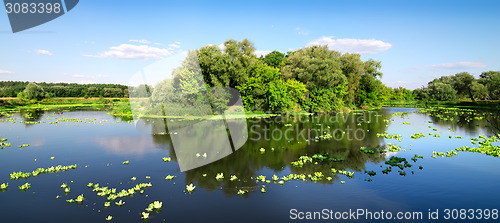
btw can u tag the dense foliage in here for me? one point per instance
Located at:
(461, 86)
(309, 79)
(314, 79)
(43, 90)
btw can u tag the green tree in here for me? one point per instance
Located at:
(163, 92)
(352, 68)
(274, 59)
(491, 80)
(228, 68)
(265, 89)
(442, 91)
(315, 66)
(6, 92)
(422, 93)
(463, 84)
(372, 91)
(479, 90)
(92, 92)
(34, 91)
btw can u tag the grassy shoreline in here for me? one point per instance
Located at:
(120, 107)
(12, 105)
(491, 104)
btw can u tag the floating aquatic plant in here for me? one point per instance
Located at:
(4, 186)
(302, 160)
(233, 178)
(52, 169)
(125, 162)
(133, 178)
(190, 188)
(393, 148)
(219, 176)
(90, 185)
(23, 145)
(112, 194)
(119, 203)
(109, 218)
(145, 215)
(371, 173)
(369, 151)
(394, 161)
(261, 178)
(25, 187)
(262, 150)
(387, 136)
(80, 198)
(19, 175)
(166, 159)
(157, 205)
(343, 172)
(263, 190)
(169, 177)
(275, 178)
(241, 192)
(417, 135)
(107, 204)
(387, 170)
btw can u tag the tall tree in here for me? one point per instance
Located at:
(274, 59)
(230, 67)
(34, 91)
(491, 80)
(463, 84)
(315, 66)
(352, 68)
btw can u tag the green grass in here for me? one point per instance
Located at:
(12, 105)
(491, 104)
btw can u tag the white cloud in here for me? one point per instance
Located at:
(259, 53)
(360, 46)
(87, 82)
(77, 75)
(6, 72)
(43, 52)
(457, 65)
(222, 46)
(128, 51)
(177, 42)
(174, 45)
(143, 41)
(301, 32)
(87, 76)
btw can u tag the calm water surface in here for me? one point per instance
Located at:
(99, 143)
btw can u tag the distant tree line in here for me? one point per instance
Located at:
(309, 79)
(44, 90)
(461, 86)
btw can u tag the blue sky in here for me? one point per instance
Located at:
(109, 41)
